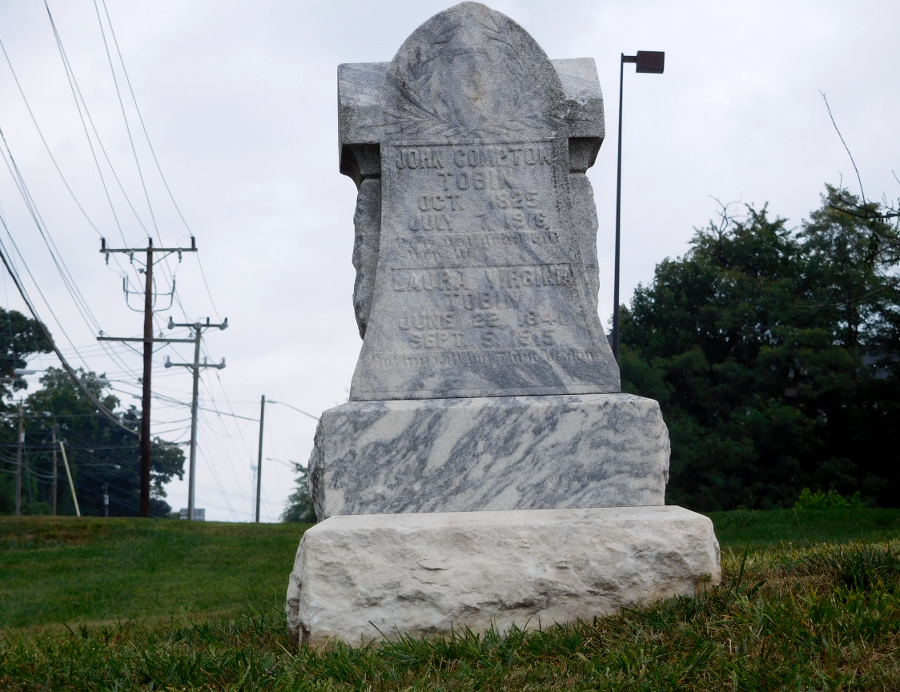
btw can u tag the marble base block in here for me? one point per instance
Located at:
(491, 453)
(357, 577)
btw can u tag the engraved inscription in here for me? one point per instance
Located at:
(481, 286)
(495, 306)
(489, 229)
(389, 361)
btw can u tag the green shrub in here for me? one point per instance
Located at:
(830, 500)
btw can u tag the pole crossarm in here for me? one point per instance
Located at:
(144, 249)
(198, 325)
(141, 340)
(149, 250)
(132, 250)
(148, 341)
(217, 366)
(195, 367)
(136, 250)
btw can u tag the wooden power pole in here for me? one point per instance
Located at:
(19, 461)
(55, 472)
(198, 328)
(262, 422)
(148, 342)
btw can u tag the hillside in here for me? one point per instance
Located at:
(69, 570)
(65, 570)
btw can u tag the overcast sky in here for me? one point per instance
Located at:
(240, 102)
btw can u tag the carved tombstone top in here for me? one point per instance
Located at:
(476, 231)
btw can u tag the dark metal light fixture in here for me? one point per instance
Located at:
(647, 62)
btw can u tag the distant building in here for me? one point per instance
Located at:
(199, 514)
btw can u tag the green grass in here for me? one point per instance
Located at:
(818, 618)
(813, 603)
(759, 529)
(68, 570)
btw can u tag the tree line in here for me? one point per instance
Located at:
(775, 354)
(103, 458)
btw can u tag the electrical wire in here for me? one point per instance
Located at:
(68, 280)
(62, 360)
(137, 161)
(137, 109)
(114, 353)
(50, 152)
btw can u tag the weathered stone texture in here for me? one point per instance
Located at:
(367, 223)
(416, 574)
(492, 453)
(486, 281)
(585, 224)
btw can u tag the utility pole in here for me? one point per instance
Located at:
(19, 462)
(62, 448)
(262, 419)
(148, 342)
(55, 471)
(198, 328)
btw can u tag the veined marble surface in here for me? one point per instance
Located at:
(356, 578)
(491, 453)
(475, 225)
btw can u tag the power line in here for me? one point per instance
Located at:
(140, 115)
(47, 146)
(65, 274)
(76, 94)
(36, 285)
(68, 279)
(62, 360)
(137, 161)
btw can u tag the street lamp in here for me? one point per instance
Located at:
(281, 403)
(649, 62)
(262, 418)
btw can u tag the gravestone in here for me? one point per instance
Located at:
(485, 282)
(485, 381)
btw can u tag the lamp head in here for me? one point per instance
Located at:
(650, 61)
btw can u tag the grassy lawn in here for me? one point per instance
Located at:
(818, 618)
(68, 570)
(813, 604)
(758, 530)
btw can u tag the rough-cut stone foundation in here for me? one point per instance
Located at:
(356, 576)
(491, 453)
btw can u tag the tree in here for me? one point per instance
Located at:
(774, 356)
(299, 505)
(23, 337)
(100, 452)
